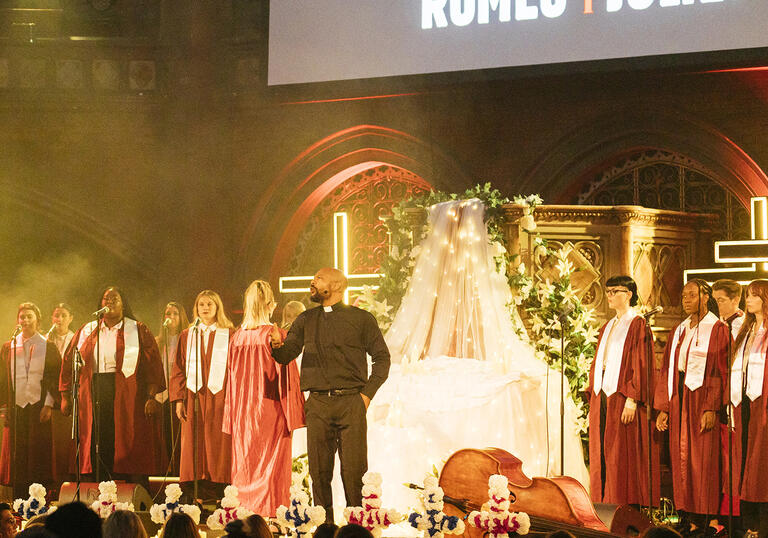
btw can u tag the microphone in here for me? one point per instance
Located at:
(653, 311)
(50, 331)
(100, 312)
(16, 332)
(167, 323)
(567, 310)
(197, 322)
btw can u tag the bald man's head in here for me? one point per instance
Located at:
(328, 286)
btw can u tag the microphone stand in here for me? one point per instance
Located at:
(97, 404)
(563, 319)
(650, 358)
(198, 362)
(77, 363)
(14, 415)
(167, 368)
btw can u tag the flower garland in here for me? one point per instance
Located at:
(34, 505)
(159, 513)
(371, 515)
(230, 510)
(301, 518)
(434, 523)
(498, 521)
(107, 501)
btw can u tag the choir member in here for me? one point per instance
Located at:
(727, 293)
(688, 395)
(61, 335)
(29, 369)
(174, 321)
(120, 376)
(749, 384)
(199, 374)
(264, 405)
(618, 389)
(291, 310)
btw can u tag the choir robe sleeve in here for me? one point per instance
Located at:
(717, 357)
(293, 342)
(51, 373)
(150, 364)
(591, 382)
(5, 376)
(635, 362)
(177, 389)
(661, 394)
(291, 397)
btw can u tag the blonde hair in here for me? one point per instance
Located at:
(258, 304)
(222, 321)
(293, 309)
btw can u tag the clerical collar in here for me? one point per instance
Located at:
(335, 306)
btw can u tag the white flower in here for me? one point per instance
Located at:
(37, 491)
(172, 493)
(528, 223)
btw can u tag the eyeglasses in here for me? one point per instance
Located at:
(613, 291)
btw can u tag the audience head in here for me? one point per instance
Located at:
(291, 311)
(74, 520)
(621, 292)
(353, 531)
(62, 316)
(7, 521)
(210, 309)
(115, 299)
(326, 530)
(727, 293)
(123, 524)
(255, 526)
(234, 529)
(258, 305)
(36, 521)
(180, 525)
(29, 317)
(177, 315)
(36, 531)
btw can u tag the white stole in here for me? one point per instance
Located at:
(29, 387)
(695, 353)
(612, 359)
(130, 344)
(755, 369)
(218, 368)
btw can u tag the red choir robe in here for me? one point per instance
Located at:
(264, 405)
(214, 447)
(34, 460)
(62, 426)
(695, 457)
(748, 485)
(734, 445)
(625, 446)
(138, 439)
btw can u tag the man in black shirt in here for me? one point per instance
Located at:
(334, 369)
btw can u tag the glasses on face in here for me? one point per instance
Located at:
(613, 291)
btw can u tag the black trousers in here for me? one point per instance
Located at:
(103, 426)
(336, 423)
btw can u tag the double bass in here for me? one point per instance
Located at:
(559, 503)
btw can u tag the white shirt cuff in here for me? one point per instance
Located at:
(630, 404)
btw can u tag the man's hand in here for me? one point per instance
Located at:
(707, 421)
(366, 400)
(181, 412)
(45, 413)
(66, 404)
(662, 422)
(628, 414)
(275, 338)
(152, 407)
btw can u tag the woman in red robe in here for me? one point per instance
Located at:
(61, 336)
(123, 378)
(618, 389)
(264, 405)
(207, 339)
(689, 392)
(35, 373)
(749, 383)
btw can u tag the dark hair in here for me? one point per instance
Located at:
(127, 311)
(759, 288)
(663, 531)
(33, 307)
(627, 282)
(326, 530)
(66, 307)
(5, 506)
(123, 524)
(706, 289)
(36, 531)
(183, 320)
(731, 288)
(257, 527)
(180, 525)
(74, 520)
(234, 529)
(353, 531)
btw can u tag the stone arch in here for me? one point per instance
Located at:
(576, 158)
(285, 205)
